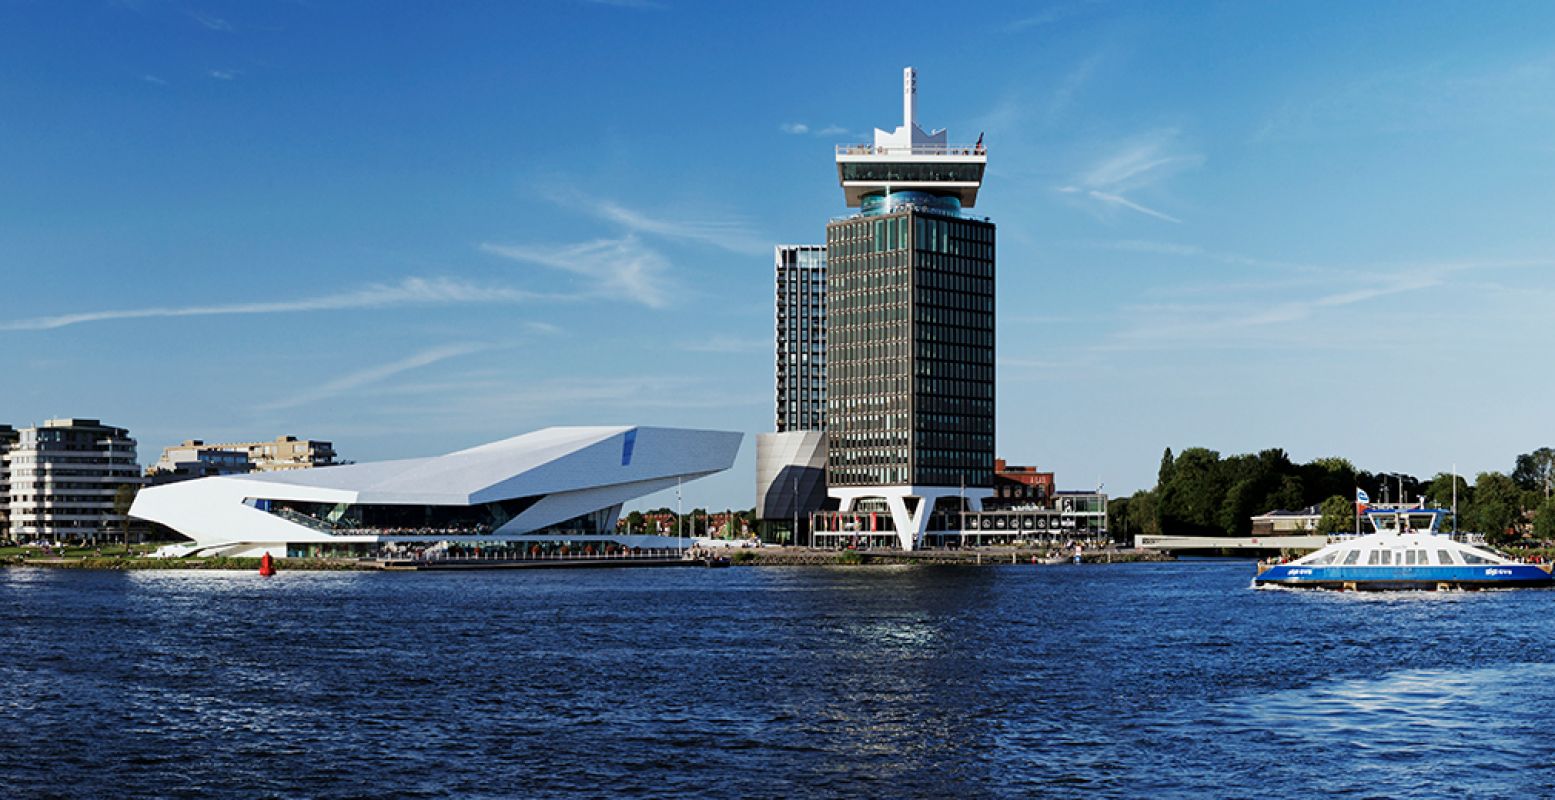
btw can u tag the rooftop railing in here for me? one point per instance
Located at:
(913, 150)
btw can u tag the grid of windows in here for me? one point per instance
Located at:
(911, 340)
(801, 338)
(63, 478)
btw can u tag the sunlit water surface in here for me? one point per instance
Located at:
(1136, 680)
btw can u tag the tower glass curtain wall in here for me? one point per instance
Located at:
(911, 337)
(801, 338)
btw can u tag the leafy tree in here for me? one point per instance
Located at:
(1497, 506)
(1190, 502)
(1440, 492)
(1163, 475)
(123, 498)
(1544, 520)
(1117, 517)
(1143, 516)
(1536, 471)
(1338, 515)
(1326, 477)
(634, 522)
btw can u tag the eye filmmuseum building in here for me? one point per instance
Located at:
(552, 486)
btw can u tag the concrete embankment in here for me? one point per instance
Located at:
(743, 557)
(795, 556)
(110, 563)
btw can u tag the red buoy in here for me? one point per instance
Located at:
(266, 566)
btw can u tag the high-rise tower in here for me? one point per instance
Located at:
(910, 328)
(801, 337)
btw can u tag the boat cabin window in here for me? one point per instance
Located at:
(1444, 557)
(1409, 558)
(1352, 556)
(1323, 560)
(1470, 558)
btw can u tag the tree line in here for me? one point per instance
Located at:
(1199, 493)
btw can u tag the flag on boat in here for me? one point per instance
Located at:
(1361, 497)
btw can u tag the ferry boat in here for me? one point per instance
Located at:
(1405, 551)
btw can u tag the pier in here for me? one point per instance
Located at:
(1248, 545)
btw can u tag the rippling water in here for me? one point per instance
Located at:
(1130, 680)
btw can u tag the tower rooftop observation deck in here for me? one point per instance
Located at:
(910, 159)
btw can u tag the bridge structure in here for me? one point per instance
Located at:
(1250, 545)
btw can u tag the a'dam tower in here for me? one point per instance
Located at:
(910, 329)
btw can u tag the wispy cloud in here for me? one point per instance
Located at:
(212, 22)
(1298, 306)
(637, 4)
(1120, 200)
(729, 233)
(372, 375)
(148, 78)
(620, 269)
(411, 291)
(1410, 99)
(1135, 166)
(1048, 16)
(224, 74)
(802, 129)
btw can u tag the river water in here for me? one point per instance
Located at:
(1127, 680)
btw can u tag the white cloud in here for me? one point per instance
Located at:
(346, 383)
(621, 269)
(411, 291)
(148, 78)
(643, 5)
(1136, 166)
(1120, 200)
(224, 74)
(801, 129)
(212, 22)
(730, 234)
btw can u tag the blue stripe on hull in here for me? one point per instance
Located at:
(1489, 575)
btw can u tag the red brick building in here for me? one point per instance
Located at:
(1020, 486)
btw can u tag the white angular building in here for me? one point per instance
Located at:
(555, 484)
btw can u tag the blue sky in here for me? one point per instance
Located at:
(407, 229)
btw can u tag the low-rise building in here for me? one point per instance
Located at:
(68, 479)
(8, 437)
(1280, 522)
(195, 458)
(285, 452)
(790, 483)
(1015, 486)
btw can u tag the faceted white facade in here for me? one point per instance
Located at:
(552, 483)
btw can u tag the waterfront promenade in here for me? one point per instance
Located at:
(115, 559)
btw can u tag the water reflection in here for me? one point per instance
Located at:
(1128, 680)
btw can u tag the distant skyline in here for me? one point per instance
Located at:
(409, 231)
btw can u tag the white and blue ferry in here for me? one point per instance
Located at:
(1405, 551)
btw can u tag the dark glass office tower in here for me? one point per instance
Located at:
(801, 337)
(912, 361)
(910, 327)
